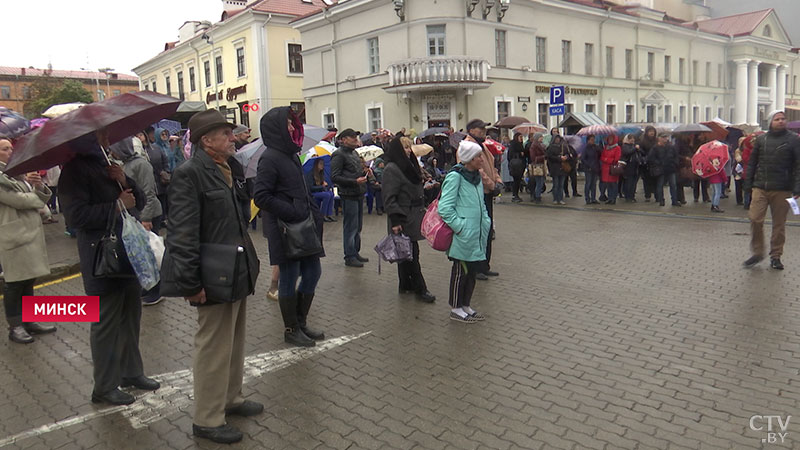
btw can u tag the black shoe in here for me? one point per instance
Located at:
(677, 204)
(295, 336)
(717, 210)
(114, 397)
(739, 203)
(747, 207)
(576, 195)
(776, 263)
(303, 307)
(380, 213)
(353, 262)
(426, 297)
(752, 261)
(312, 333)
(19, 335)
(662, 203)
(35, 328)
(491, 273)
(223, 434)
(141, 382)
(361, 258)
(566, 195)
(404, 291)
(603, 198)
(246, 409)
(332, 219)
(611, 202)
(481, 276)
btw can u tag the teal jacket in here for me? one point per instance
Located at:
(461, 207)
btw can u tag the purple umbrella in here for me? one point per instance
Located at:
(793, 125)
(12, 124)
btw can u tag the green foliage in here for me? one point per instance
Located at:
(48, 91)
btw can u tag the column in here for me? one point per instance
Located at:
(773, 92)
(781, 97)
(752, 92)
(741, 91)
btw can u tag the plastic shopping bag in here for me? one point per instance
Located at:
(137, 245)
(157, 246)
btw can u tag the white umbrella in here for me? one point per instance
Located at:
(58, 110)
(369, 152)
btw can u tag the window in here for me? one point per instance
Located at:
(207, 72)
(500, 48)
(767, 31)
(668, 113)
(115, 92)
(794, 84)
(101, 95)
(695, 72)
(295, 58)
(628, 113)
(667, 68)
(218, 64)
(5, 92)
(329, 121)
(299, 108)
(651, 65)
(611, 114)
(589, 108)
(146, 87)
(566, 56)
(708, 74)
(541, 54)
(26, 92)
(568, 107)
(708, 113)
(373, 56)
(543, 113)
(589, 58)
(682, 118)
(610, 62)
(240, 61)
(436, 35)
(180, 85)
(374, 118)
(695, 114)
(503, 110)
(244, 115)
(681, 71)
(720, 112)
(192, 85)
(155, 88)
(628, 63)
(650, 113)
(169, 88)
(720, 74)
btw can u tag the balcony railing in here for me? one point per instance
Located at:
(436, 72)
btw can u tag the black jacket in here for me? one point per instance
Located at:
(774, 163)
(280, 185)
(203, 210)
(554, 153)
(88, 195)
(517, 159)
(404, 201)
(345, 168)
(662, 160)
(590, 159)
(631, 157)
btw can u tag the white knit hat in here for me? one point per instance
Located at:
(467, 151)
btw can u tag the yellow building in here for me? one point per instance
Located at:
(243, 65)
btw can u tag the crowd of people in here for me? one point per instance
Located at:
(193, 187)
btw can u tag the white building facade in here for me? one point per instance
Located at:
(423, 63)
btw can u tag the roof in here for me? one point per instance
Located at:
(736, 25)
(583, 119)
(295, 8)
(81, 74)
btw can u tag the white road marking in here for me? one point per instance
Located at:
(175, 393)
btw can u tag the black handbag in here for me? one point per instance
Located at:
(300, 239)
(220, 274)
(110, 258)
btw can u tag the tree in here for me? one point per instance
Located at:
(48, 91)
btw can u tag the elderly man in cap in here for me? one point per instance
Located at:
(242, 135)
(772, 175)
(476, 132)
(211, 262)
(348, 175)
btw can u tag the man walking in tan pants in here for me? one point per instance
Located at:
(773, 175)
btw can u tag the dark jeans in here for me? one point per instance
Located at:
(487, 199)
(558, 182)
(571, 177)
(696, 190)
(115, 338)
(410, 273)
(590, 187)
(374, 194)
(739, 196)
(353, 213)
(673, 186)
(611, 190)
(630, 186)
(12, 300)
(307, 269)
(538, 187)
(325, 199)
(516, 186)
(462, 282)
(649, 183)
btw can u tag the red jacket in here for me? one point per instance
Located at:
(608, 158)
(719, 177)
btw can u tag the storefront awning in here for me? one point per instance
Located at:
(583, 119)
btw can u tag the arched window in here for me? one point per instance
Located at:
(767, 31)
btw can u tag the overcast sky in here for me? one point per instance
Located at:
(94, 33)
(787, 10)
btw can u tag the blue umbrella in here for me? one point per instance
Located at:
(12, 124)
(309, 164)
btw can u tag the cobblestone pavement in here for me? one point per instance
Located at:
(605, 330)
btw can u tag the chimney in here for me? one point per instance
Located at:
(23, 71)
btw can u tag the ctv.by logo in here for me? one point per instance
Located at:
(757, 424)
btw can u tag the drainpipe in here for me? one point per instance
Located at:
(637, 76)
(600, 65)
(326, 15)
(199, 68)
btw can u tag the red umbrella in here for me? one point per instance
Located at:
(710, 158)
(121, 116)
(494, 147)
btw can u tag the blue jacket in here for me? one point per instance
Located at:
(462, 208)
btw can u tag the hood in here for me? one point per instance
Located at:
(772, 116)
(123, 150)
(160, 142)
(275, 133)
(612, 140)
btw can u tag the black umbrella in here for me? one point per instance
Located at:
(434, 130)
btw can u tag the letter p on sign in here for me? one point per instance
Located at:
(557, 95)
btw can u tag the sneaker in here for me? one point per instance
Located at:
(353, 262)
(477, 316)
(752, 261)
(562, 203)
(272, 295)
(776, 264)
(466, 319)
(152, 302)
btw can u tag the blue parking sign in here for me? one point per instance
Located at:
(557, 95)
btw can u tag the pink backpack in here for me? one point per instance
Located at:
(438, 233)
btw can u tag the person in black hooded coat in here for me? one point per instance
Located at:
(281, 193)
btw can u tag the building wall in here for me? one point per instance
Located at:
(18, 98)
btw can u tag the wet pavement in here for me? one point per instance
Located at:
(630, 328)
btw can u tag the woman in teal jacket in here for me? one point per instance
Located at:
(462, 207)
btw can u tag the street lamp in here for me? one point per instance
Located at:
(501, 10)
(107, 71)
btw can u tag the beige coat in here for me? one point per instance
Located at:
(23, 251)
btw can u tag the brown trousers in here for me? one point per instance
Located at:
(779, 207)
(218, 361)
